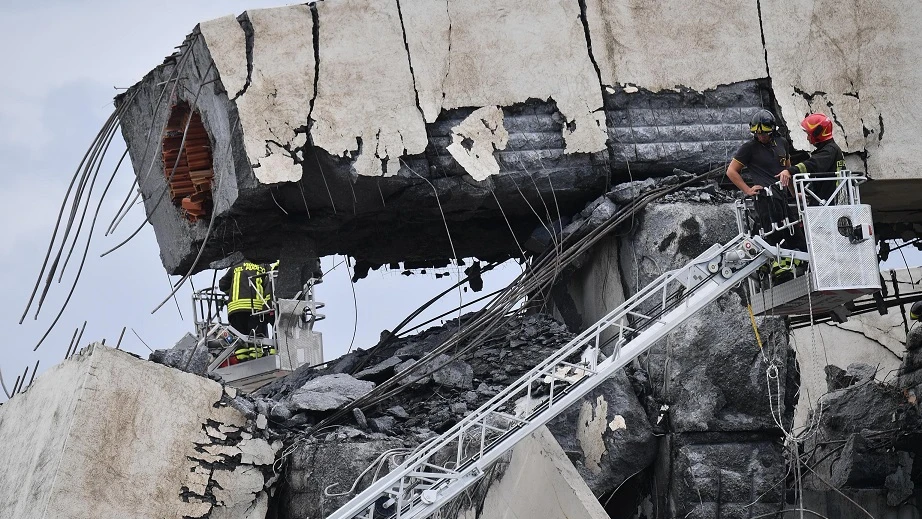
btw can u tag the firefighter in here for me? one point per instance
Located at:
(244, 286)
(827, 158)
(765, 158)
(915, 312)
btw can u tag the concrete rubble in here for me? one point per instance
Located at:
(409, 134)
(692, 429)
(107, 435)
(435, 403)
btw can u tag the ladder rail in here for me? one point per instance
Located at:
(416, 492)
(582, 339)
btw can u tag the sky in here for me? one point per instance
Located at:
(65, 61)
(70, 60)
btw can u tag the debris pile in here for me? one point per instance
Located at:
(430, 403)
(433, 401)
(867, 435)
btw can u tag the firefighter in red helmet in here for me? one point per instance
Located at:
(827, 158)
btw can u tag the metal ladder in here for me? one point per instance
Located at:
(443, 468)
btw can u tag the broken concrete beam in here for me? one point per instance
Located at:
(186, 355)
(463, 133)
(542, 480)
(107, 435)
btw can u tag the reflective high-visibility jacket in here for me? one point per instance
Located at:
(236, 283)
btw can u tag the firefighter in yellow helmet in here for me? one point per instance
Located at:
(915, 312)
(245, 286)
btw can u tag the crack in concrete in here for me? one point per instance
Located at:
(249, 36)
(315, 33)
(768, 72)
(835, 119)
(406, 44)
(807, 95)
(448, 54)
(872, 339)
(595, 64)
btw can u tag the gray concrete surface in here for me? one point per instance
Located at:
(539, 481)
(871, 338)
(107, 435)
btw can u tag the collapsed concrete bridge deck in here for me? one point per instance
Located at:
(367, 128)
(355, 127)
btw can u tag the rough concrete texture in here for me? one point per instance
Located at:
(870, 338)
(378, 115)
(712, 377)
(651, 133)
(704, 387)
(105, 434)
(329, 392)
(910, 373)
(717, 479)
(857, 67)
(474, 140)
(186, 355)
(607, 434)
(627, 37)
(321, 472)
(841, 505)
(543, 55)
(539, 481)
(280, 77)
(865, 436)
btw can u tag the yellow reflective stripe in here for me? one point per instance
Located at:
(243, 304)
(801, 167)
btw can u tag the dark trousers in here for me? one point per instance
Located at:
(774, 209)
(249, 324)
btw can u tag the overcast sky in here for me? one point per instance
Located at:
(65, 61)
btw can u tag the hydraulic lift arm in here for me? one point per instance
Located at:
(443, 468)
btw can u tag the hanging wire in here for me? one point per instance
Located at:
(487, 320)
(77, 174)
(355, 305)
(451, 242)
(86, 249)
(3, 385)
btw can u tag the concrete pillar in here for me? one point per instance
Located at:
(107, 435)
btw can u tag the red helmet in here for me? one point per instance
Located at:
(818, 128)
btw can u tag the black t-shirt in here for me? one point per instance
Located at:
(763, 161)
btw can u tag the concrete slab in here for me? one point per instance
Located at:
(275, 106)
(366, 100)
(539, 481)
(697, 46)
(107, 435)
(871, 338)
(507, 51)
(858, 65)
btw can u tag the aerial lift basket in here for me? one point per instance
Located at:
(841, 263)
